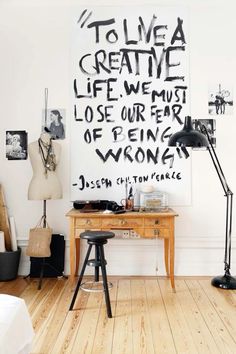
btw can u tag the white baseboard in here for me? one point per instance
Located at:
(193, 257)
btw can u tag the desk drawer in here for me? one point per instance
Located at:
(122, 223)
(156, 222)
(87, 223)
(156, 233)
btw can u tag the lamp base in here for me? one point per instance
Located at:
(224, 282)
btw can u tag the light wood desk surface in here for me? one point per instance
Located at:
(147, 225)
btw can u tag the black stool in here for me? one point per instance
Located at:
(97, 239)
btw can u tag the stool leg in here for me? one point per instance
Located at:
(80, 277)
(96, 275)
(105, 285)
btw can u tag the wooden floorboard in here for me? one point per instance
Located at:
(147, 316)
(162, 337)
(219, 332)
(122, 332)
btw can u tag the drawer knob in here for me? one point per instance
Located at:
(156, 232)
(156, 222)
(123, 222)
(88, 222)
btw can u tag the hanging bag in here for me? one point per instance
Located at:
(40, 240)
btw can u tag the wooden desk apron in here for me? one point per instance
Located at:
(147, 225)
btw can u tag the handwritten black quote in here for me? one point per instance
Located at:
(130, 95)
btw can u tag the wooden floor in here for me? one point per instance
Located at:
(147, 317)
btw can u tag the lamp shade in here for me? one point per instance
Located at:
(188, 136)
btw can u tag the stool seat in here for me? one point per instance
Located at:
(96, 235)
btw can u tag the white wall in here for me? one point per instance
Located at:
(35, 51)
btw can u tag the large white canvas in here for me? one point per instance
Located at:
(129, 89)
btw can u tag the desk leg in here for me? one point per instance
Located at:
(172, 256)
(167, 252)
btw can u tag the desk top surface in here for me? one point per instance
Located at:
(128, 214)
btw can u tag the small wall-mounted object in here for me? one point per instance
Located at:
(154, 201)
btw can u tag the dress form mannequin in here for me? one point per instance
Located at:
(44, 156)
(44, 184)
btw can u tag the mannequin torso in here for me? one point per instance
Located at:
(44, 184)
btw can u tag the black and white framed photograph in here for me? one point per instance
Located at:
(220, 100)
(210, 125)
(16, 144)
(53, 122)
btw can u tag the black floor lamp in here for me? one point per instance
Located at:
(189, 137)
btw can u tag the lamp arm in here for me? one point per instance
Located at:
(216, 162)
(229, 200)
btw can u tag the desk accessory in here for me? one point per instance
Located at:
(87, 206)
(188, 137)
(153, 201)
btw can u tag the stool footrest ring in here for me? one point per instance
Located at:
(94, 286)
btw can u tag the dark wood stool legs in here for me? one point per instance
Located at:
(80, 278)
(98, 262)
(104, 277)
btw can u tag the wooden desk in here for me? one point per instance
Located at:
(147, 225)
